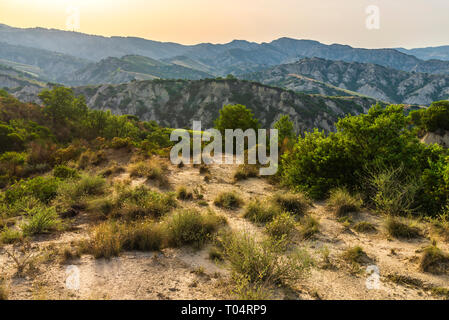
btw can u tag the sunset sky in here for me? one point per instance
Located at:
(406, 23)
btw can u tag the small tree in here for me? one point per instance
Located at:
(236, 117)
(286, 133)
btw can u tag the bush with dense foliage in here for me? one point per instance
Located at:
(363, 144)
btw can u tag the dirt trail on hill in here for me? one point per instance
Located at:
(186, 273)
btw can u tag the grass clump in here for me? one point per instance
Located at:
(261, 212)
(41, 220)
(65, 172)
(355, 255)
(281, 227)
(110, 238)
(191, 227)
(245, 171)
(183, 194)
(261, 262)
(309, 227)
(139, 202)
(434, 260)
(9, 236)
(152, 170)
(401, 229)
(440, 226)
(365, 227)
(228, 200)
(341, 202)
(295, 203)
(74, 191)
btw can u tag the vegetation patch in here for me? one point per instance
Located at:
(401, 229)
(281, 227)
(341, 202)
(191, 227)
(295, 203)
(365, 227)
(261, 212)
(228, 200)
(433, 260)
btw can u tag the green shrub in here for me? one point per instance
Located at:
(191, 227)
(72, 192)
(42, 188)
(8, 236)
(41, 220)
(119, 143)
(139, 202)
(295, 203)
(228, 200)
(261, 262)
(281, 227)
(401, 229)
(394, 194)
(341, 202)
(433, 118)
(143, 236)
(65, 172)
(380, 138)
(261, 212)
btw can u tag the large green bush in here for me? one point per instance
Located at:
(362, 144)
(434, 118)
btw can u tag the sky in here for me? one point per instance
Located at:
(359, 23)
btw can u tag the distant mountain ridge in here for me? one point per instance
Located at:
(315, 75)
(237, 57)
(129, 68)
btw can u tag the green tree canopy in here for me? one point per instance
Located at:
(236, 117)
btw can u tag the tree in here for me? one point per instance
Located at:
(286, 133)
(236, 117)
(60, 104)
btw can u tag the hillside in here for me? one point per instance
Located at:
(314, 75)
(176, 103)
(48, 65)
(130, 68)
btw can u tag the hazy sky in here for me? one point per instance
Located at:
(406, 23)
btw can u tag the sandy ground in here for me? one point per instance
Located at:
(186, 273)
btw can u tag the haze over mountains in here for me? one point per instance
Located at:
(32, 57)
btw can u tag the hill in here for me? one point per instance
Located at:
(314, 75)
(175, 103)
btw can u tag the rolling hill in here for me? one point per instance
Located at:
(314, 75)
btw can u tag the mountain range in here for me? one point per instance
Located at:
(328, 77)
(313, 82)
